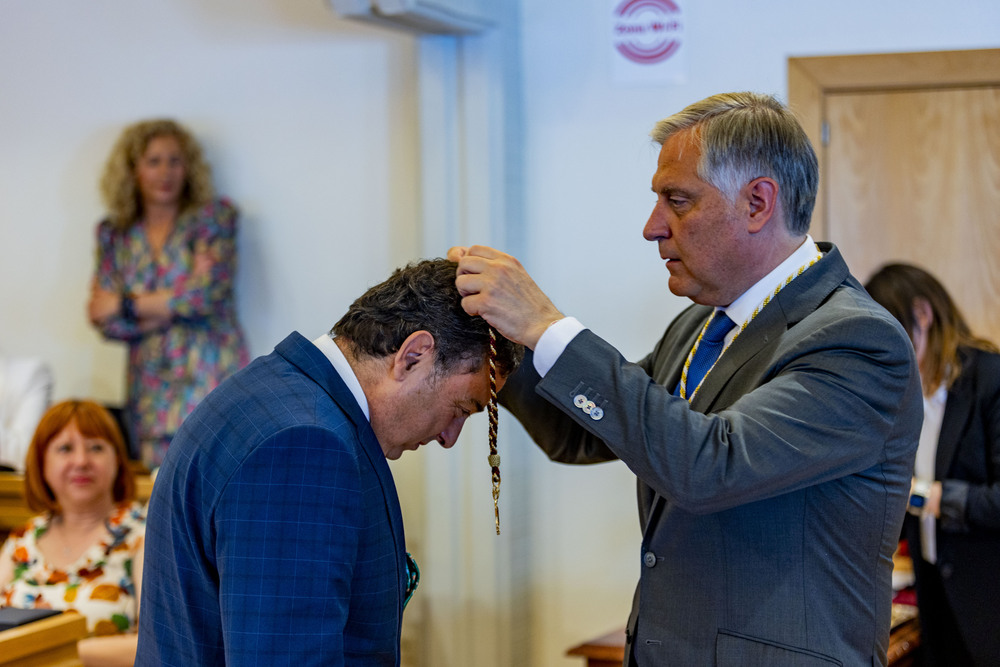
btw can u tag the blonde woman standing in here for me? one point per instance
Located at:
(166, 262)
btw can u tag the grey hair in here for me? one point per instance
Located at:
(743, 136)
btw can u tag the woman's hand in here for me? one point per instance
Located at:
(203, 263)
(102, 303)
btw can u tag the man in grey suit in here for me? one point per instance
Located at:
(772, 488)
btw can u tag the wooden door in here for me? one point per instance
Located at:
(909, 147)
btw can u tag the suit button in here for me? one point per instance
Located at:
(947, 569)
(649, 559)
(579, 400)
(588, 406)
(596, 413)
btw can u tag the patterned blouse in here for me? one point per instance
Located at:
(98, 585)
(172, 369)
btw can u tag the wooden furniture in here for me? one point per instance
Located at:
(903, 643)
(14, 510)
(609, 650)
(604, 651)
(50, 642)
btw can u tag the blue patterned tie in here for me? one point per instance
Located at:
(708, 350)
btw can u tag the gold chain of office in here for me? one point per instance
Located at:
(767, 299)
(491, 409)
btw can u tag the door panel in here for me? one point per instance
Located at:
(910, 165)
(914, 176)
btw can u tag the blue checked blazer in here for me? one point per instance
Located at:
(274, 535)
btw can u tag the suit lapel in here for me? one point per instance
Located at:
(957, 410)
(793, 303)
(801, 297)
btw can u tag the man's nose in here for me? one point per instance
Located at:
(449, 436)
(656, 226)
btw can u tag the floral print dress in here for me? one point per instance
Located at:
(98, 585)
(172, 369)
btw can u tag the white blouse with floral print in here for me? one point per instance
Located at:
(98, 585)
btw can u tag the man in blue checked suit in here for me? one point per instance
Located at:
(773, 427)
(274, 534)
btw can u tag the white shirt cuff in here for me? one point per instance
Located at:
(552, 343)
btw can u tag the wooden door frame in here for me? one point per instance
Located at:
(810, 80)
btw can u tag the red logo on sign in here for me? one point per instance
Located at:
(645, 30)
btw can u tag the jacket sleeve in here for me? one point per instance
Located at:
(829, 401)
(201, 295)
(287, 527)
(561, 438)
(109, 277)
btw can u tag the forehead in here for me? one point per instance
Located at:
(86, 428)
(679, 157)
(163, 142)
(468, 387)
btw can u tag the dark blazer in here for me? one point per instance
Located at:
(968, 532)
(274, 535)
(772, 505)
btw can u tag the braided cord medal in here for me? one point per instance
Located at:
(491, 409)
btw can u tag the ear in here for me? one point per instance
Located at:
(416, 354)
(923, 314)
(762, 198)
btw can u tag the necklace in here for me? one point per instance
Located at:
(491, 408)
(58, 530)
(767, 299)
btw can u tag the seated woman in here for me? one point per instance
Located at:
(84, 550)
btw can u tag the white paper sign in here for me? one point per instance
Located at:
(647, 41)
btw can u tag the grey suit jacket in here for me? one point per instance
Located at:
(772, 505)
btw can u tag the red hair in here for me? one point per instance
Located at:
(93, 421)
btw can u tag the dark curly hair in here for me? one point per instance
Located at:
(423, 296)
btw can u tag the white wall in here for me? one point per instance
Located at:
(589, 164)
(307, 120)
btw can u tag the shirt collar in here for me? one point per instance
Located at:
(741, 310)
(939, 396)
(333, 352)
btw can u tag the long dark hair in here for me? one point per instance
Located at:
(897, 287)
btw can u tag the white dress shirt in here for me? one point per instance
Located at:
(924, 464)
(332, 352)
